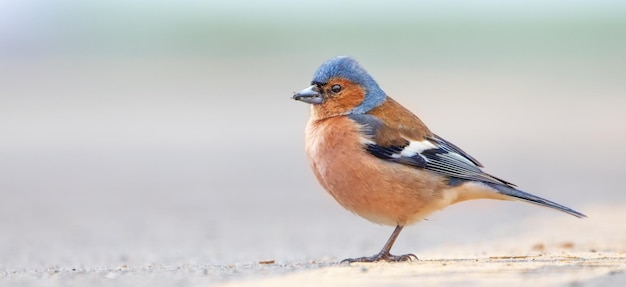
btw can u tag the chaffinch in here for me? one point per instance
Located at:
(380, 161)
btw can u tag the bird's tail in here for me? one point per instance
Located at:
(527, 197)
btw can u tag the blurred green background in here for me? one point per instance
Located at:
(138, 131)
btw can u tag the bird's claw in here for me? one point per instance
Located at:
(382, 257)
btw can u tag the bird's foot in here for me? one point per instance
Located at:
(383, 256)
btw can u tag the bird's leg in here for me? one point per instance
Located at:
(384, 253)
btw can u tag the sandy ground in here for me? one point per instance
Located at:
(594, 255)
(560, 252)
(570, 269)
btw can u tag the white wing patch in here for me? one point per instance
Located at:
(366, 141)
(416, 147)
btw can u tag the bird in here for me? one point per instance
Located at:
(380, 161)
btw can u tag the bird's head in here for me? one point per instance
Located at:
(341, 86)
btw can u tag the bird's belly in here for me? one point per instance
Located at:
(380, 191)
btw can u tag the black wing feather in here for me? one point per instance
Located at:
(446, 159)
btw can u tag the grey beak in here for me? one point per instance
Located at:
(309, 95)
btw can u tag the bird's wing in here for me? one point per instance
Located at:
(404, 139)
(431, 152)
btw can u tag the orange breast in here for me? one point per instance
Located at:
(380, 191)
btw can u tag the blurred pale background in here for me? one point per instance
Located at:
(145, 132)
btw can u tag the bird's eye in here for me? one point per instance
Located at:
(335, 88)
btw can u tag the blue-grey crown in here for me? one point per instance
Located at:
(349, 68)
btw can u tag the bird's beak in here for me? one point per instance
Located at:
(309, 95)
